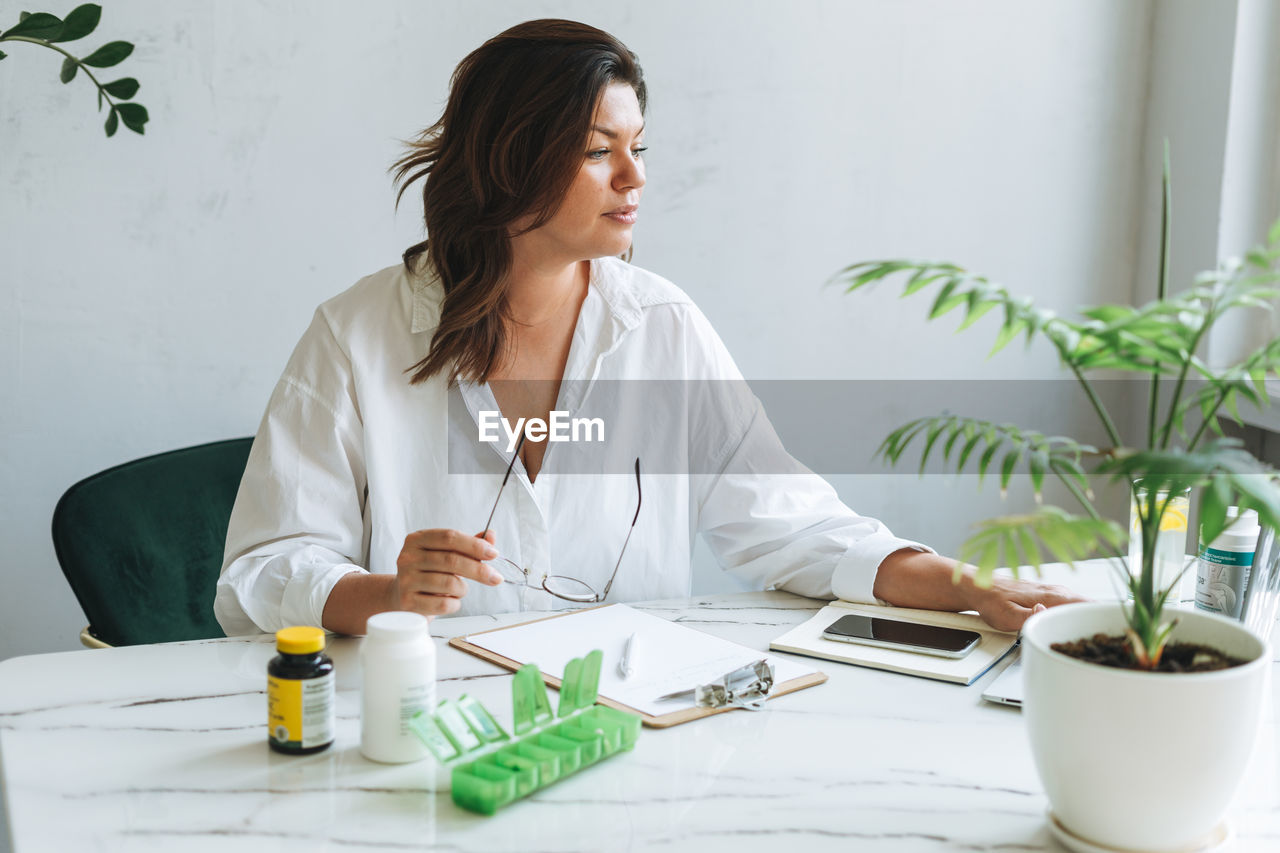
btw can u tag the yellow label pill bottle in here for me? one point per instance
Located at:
(300, 693)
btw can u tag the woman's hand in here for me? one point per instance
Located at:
(433, 569)
(1008, 602)
(910, 578)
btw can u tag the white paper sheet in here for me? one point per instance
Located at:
(667, 657)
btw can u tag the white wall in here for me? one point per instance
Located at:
(153, 287)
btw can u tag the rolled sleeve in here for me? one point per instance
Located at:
(298, 524)
(854, 577)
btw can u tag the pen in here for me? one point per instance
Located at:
(627, 666)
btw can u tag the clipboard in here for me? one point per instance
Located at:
(591, 638)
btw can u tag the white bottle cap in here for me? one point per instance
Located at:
(397, 626)
(1250, 516)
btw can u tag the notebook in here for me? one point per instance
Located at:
(806, 639)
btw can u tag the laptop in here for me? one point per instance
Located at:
(1007, 687)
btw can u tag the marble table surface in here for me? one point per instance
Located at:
(163, 747)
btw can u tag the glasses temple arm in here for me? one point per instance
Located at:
(514, 456)
(639, 500)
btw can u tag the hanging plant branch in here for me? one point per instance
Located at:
(46, 30)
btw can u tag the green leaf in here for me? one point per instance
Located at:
(69, 68)
(1006, 468)
(977, 308)
(113, 122)
(1257, 258)
(111, 53)
(1273, 236)
(1108, 313)
(1039, 461)
(1067, 538)
(134, 116)
(1008, 332)
(1259, 377)
(1162, 634)
(1213, 509)
(930, 438)
(1230, 402)
(968, 448)
(3, 54)
(921, 279)
(40, 25)
(124, 88)
(1030, 550)
(80, 22)
(945, 301)
(874, 270)
(985, 459)
(951, 440)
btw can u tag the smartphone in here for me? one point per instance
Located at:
(903, 636)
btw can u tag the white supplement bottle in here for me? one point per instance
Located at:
(398, 664)
(1222, 572)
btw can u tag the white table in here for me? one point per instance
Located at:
(163, 748)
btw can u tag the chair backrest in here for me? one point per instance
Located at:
(141, 543)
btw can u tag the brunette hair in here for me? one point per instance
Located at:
(508, 145)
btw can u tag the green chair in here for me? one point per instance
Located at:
(141, 543)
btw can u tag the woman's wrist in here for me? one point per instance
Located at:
(924, 580)
(354, 598)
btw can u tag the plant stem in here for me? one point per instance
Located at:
(102, 92)
(1162, 291)
(1107, 423)
(1153, 403)
(1210, 317)
(1222, 395)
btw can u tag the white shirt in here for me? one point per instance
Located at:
(350, 458)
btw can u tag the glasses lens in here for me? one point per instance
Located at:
(511, 573)
(569, 589)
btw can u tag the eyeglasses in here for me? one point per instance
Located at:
(561, 586)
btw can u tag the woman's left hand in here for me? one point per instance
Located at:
(1007, 603)
(910, 578)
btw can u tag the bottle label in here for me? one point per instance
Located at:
(1226, 558)
(1221, 578)
(300, 711)
(416, 697)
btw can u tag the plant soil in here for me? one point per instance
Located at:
(1114, 651)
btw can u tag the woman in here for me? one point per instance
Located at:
(362, 479)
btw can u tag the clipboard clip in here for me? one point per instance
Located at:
(746, 687)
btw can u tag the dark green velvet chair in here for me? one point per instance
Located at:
(141, 543)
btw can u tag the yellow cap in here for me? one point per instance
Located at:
(300, 640)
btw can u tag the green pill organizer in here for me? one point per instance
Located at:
(488, 769)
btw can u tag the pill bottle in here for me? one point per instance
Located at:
(300, 693)
(1222, 572)
(398, 679)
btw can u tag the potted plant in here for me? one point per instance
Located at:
(1113, 744)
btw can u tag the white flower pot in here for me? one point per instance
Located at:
(1145, 761)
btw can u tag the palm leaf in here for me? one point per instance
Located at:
(1057, 454)
(1023, 540)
